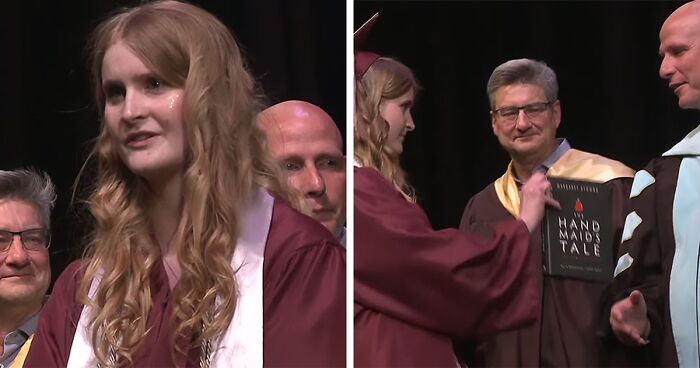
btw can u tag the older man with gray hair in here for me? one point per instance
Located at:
(26, 200)
(525, 114)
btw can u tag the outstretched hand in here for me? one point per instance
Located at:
(535, 193)
(628, 319)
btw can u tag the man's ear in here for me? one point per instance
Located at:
(493, 121)
(556, 109)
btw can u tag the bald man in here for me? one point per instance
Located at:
(307, 145)
(658, 270)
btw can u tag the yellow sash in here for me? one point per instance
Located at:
(22, 354)
(573, 165)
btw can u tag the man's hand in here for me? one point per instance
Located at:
(628, 319)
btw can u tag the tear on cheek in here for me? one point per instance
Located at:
(173, 100)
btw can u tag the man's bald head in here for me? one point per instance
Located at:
(680, 51)
(690, 8)
(306, 143)
(299, 113)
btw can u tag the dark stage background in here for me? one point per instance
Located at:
(296, 49)
(605, 55)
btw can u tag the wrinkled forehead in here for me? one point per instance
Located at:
(14, 210)
(308, 131)
(299, 122)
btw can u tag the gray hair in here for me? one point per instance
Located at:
(523, 71)
(29, 186)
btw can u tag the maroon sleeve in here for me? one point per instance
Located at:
(59, 317)
(304, 295)
(446, 281)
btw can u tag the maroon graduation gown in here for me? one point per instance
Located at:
(415, 287)
(565, 333)
(303, 299)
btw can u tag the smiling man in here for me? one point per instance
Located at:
(307, 145)
(657, 276)
(26, 200)
(525, 115)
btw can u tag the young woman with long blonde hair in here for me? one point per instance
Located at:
(417, 288)
(191, 262)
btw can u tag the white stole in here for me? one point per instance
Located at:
(242, 343)
(684, 285)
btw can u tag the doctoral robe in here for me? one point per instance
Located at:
(660, 253)
(566, 332)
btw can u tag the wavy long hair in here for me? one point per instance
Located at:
(226, 160)
(385, 79)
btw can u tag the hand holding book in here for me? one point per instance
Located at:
(535, 193)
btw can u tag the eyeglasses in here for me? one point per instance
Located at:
(32, 239)
(532, 111)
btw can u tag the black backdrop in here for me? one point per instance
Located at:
(296, 49)
(604, 53)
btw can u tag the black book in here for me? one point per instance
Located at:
(577, 242)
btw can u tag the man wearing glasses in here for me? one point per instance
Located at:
(26, 200)
(525, 115)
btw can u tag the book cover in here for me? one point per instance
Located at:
(578, 239)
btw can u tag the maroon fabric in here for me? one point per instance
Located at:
(565, 333)
(363, 60)
(415, 287)
(303, 300)
(653, 248)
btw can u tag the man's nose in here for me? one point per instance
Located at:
(666, 68)
(16, 254)
(522, 122)
(315, 185)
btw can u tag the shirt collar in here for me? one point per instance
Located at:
(562, 146)
(30, 326)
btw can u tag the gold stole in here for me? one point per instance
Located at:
(22, 354)
(573, 165)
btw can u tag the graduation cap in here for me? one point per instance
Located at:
(364, 59)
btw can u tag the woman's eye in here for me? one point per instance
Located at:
(153, 83)
(114, 93)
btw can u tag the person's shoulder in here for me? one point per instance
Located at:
(294, 234)
(664, 164)
(483, 207)
(617, 169)
(297, 230)
(485, 195)
(73, 272)
(369, 182)
(367, 175)
(661, 171)
(487, 192)
(68, 282)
